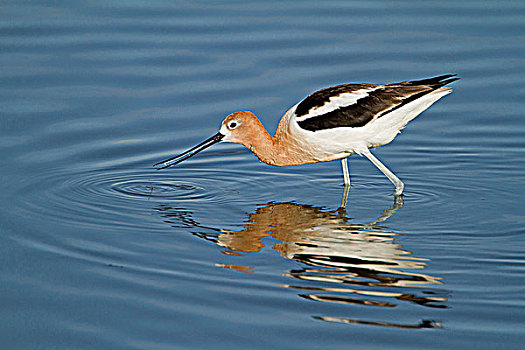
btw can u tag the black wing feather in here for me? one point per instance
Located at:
(321, 97)
(376, 104)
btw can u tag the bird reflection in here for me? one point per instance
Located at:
(341, 262)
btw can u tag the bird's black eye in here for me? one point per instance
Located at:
(232, 125)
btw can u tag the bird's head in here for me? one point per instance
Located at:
(240, 127)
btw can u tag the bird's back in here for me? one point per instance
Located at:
(356, 105)
(349, 117)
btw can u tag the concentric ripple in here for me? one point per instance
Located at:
(122, 197)
(134, 188)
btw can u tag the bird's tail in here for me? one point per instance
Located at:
(435, 82)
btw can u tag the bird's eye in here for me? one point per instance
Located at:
(232, 125)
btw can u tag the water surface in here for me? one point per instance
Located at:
(100, 250)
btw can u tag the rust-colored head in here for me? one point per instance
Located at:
(244, 128)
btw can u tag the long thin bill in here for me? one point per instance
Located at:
(189, 153)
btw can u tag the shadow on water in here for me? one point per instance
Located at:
(341, 262)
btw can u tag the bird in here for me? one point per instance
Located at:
(330, 124)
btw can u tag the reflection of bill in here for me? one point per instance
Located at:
(345, 263)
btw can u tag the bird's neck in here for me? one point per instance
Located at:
(263, 145)
(278, 150)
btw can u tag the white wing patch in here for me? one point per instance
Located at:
(334, 102)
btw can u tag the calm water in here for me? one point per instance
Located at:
(100, 251)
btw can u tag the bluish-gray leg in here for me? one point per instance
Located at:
(394, 179)
(346, 173)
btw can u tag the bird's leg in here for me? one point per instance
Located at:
(346, 176)
(346, 173)
(399, 186)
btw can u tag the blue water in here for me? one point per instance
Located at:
(99, 250)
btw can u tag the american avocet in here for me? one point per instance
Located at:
(332, 123)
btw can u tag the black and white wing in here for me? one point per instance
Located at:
(356, 105)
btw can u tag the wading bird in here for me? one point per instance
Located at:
(332, 123)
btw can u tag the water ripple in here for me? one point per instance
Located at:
(91, 95)
(134, 188)
(117, 197)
